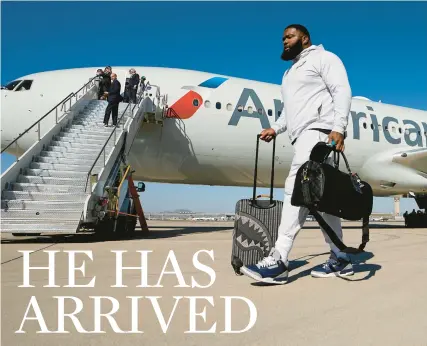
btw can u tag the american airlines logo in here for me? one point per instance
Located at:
(393, 130)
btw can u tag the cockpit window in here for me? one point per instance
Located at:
(12, 85)
(25, 85)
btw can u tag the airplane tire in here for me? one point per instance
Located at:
(125, 225)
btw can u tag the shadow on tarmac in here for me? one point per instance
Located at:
(359, 266)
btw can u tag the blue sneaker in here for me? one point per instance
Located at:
(270, 269)
(334, 266)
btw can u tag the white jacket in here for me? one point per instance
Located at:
(316, 94)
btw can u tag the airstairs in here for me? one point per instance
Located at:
(75, 176)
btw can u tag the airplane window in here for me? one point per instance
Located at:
(260, 111)
(279, 112)
(25, 85)
(207, 103)
(12, 85)
(270, 112)
(195, 102)
(372, 126)
(229, 107)
(218, 105)
(385, 128)
(400, 130)
(250, 110)
(364, 125)
(240, 108)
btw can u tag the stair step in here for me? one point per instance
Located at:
(59, 227)
(98, 114)
(56, 173)
(31, 179)
(94, 133)
(31, 187)
(88, 135)
(41, 205)
(69, 161)
(71, 139)
(41, 214)
(31, 223)
(83, 129)
(87, 123)
(73, 150)
(97, 119)
(105, 131)
(81, 145)
(96, 124)
(44, 196)
(72, 156)
(99, 128)
(63, 166)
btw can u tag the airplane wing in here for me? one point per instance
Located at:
(415, 159)
(400, 169)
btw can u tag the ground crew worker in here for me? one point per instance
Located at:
(316, 104)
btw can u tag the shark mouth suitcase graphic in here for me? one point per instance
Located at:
(256, 223)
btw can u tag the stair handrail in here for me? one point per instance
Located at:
(62, 102)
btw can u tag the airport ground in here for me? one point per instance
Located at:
(384, 303)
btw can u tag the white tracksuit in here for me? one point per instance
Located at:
(316, 94)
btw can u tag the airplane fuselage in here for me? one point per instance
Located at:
(210, 137)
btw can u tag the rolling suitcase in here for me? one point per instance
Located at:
(256, 223)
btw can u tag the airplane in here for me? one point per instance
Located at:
(208, 136)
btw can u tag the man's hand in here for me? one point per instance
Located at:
(339, 140)
(267, 135)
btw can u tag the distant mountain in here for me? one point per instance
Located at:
(179, 211)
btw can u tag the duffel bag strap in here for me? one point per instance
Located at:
(365, 232)
(334, 238)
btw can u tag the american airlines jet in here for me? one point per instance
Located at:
(208, 136)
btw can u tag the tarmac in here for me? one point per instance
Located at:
(384, 303)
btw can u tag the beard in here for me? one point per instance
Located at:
(293, 52)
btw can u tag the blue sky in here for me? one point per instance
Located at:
(383, 45)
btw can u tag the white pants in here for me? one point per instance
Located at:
(293, 218)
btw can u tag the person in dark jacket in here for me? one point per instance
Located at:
(99, 78)
(133, 85)
(106, 80)
(114, 98)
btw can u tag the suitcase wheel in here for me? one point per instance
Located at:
(236, 263)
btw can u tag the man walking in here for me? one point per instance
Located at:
(317, 98)
(114, 98)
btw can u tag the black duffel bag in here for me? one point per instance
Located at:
(321, 187)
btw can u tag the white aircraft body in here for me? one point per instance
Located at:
(210, 137)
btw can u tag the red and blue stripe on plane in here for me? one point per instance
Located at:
(185, 108)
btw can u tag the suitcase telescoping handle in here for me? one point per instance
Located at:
(254, 197)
